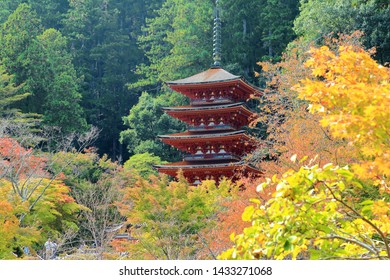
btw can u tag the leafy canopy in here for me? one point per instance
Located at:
(331, 211)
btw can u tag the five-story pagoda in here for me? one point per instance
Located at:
(214, 142)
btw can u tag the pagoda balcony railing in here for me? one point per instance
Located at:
(215, 127)
(198, 102)
(215, 156)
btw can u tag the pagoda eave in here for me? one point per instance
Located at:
(185, 111)
(186, 135)
(238, 85)
(231, 140)
(205, 171)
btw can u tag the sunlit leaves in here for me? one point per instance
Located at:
(309, 208)
(172, 216)
(352, 95)
(331, 212)
(37, 204)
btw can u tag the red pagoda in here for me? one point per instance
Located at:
(214, 142)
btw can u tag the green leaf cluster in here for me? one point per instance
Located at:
(171, 215)
(314, 213)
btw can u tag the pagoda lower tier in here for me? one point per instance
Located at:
(236, 143)
(195, 173)
(213, 117)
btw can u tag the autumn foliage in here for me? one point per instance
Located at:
(328, 211)
(34, 203)
(169, 219)
(291, 129)
(352, 96)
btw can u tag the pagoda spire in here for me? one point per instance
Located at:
(217, 37)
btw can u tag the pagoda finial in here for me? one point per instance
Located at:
(217, 37)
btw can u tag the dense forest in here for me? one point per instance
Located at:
(82, 86)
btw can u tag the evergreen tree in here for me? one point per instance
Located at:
(42, 63)
(147, 120)
(6, 8)
(50, 12)
(62, 101)
(9, 93)
(320, 18)
(177, 42)
(16, 37)
(255, 30)
(103, 39)
(276, 21)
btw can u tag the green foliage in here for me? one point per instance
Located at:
(9, 93)
(147, 120)
(95, 183)
(143, 164)
(50, 12)
(171, 215)
(276, 22)
(254, 30)
(55, 212)
(177, 42)
(102, 36)
(16, 37)
(62, 101)
(320, 18)
(312, 215)
(43, 64)
(6, 8)
(79, 167)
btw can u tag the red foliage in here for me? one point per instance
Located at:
(19, 162)
(230, 220)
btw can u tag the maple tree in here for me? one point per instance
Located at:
(228, 218)
(354, 105)
(291, 129)
(12, 235)
(36, 203)
(331, 211)
(40, 202)
(96, 183)
(168, 217)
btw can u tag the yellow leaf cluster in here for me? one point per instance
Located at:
(323, 212)
(352, 95)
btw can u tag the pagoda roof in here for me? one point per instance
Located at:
(211, 75)
(187, 165)
(190, 135)
(213, 168)
(202, 108)
(181, 140)
(191, 110)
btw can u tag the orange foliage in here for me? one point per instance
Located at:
(33, 203)
(217, 239)
(18, 161)
(292, 130)
(351, 93)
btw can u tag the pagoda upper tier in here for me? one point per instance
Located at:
(214, 143)
(205, 145)
(212, 117)
(216, 86)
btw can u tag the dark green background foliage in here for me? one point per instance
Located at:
(103, 63)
